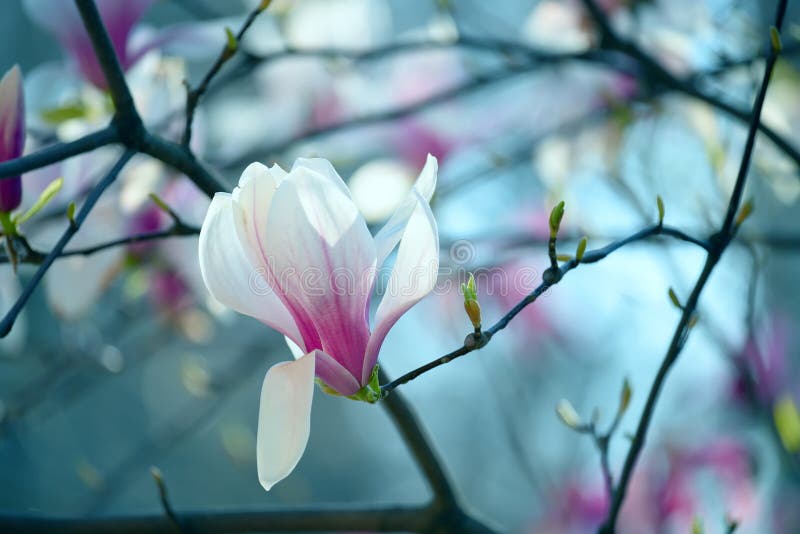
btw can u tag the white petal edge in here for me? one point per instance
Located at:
(251, 203)
(284, 418)
(229, 275)
(391, 232)
(413, 276)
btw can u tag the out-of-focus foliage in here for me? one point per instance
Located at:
(124, 361)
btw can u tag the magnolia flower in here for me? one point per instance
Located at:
(293, 251)
(64, 22)
(12, 135)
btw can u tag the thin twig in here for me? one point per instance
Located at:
(163, 497)
(71, 230)
(719, 242)
(193, 96)
(474, 343)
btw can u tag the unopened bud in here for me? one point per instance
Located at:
(471, 305)
(555, 218)
(566, 412)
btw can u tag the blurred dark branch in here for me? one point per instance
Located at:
(27, 254)
(59, 152)
(478, 82)
(132, 132)
(654, 72)
(71, 230)
(719, 243)
(118, 88)
(475, 342)
(316, 519)
(445, 507)
(126, 128)
(616, 54)
(193, 95)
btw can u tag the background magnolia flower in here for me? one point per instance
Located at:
(12, 135)
(293, 251)
(64, 22)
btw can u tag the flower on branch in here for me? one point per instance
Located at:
(293, 251)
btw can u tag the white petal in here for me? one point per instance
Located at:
(413, 276)
(388, 236)
(229, 275)
(297, 352)
(324, 168)
(251, 203)
(322, 258)
(284, 418)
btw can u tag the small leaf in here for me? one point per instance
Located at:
(264, 4)
(71, 212)
(674, 298)
(555, 218)
(566, 412)
(625, 397)
(660, 204)
(787, 423)
(744, 212)
(775, 39)
(581, 248)
(63, 113)
(231, 43)
(47, 195)
(564, 257)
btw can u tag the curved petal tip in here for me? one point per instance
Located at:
(284, 418)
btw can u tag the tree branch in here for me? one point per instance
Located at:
(719, 242)
(107, 57)
(193, 96)
(59, 152)
(72, 229)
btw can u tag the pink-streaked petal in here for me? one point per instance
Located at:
(229, 275)
(391, 232)
(334, 375)
(413, 276)
(12, 115)
(284, 418)
(322, 259)
(12, 135)
(329, 370)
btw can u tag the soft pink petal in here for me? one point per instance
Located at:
(388, 236)
(334, 375)
(413, 276)
(329, 370)
(229, 275)
(12, 115)
(322, 259)
(284, 418)
(61, 18)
